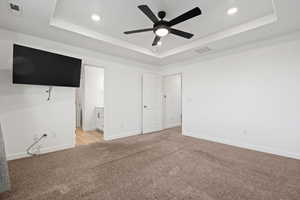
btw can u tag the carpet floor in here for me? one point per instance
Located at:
(164, 166)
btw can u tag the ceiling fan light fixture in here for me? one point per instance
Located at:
(162, 32)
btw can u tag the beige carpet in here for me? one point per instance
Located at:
(160, 166)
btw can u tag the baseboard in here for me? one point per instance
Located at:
(121, 135)
(43, 151)
(244, 145)
(172, 126)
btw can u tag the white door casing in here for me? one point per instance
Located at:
(93, 94)
(172, 103)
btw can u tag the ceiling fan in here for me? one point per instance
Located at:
(161, 28)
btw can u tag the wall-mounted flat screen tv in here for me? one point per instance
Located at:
(37, 67)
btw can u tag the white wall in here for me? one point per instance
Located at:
(172, 100)
(93, 95)
(249, 99)
(25, 113)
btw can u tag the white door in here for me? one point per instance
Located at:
(172, 100)
(152, 103)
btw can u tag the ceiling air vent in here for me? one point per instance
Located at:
(14, 7)
(203, 50)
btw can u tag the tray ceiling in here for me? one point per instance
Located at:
(118, 16)
(69, 22)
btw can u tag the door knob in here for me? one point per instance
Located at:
(145, 106)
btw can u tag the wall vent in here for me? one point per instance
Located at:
(14, 8)
(203, 50)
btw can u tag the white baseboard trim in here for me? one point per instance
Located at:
(165, 128)
(43, 151)
(121, 135)
(172, 126)
(244, 145)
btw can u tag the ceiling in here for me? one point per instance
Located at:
(69, 21)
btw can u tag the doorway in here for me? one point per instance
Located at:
(172, 101)
(90, 106)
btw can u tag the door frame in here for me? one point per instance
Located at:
(82, 93)
(164, 102)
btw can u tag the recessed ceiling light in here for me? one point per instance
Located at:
(159, 43)
(95, 17)
(232, 11)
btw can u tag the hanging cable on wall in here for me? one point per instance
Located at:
(28, 150)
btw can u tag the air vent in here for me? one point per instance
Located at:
(203, 50)
(14, 7)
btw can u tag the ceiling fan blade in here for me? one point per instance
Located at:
(186, 16)
(181, 33)
(155, 41)
(147, 11)
(139, 31)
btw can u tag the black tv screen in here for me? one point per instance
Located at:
(37, 67)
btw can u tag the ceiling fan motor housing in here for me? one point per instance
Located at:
(161, 24)
(161, 14)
